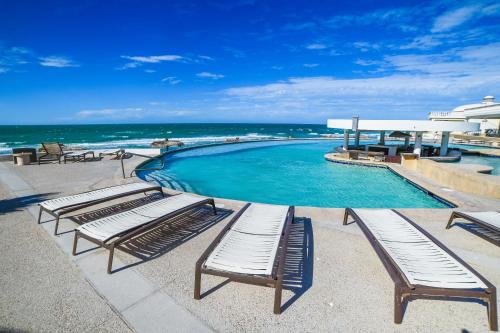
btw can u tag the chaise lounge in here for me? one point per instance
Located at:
(250, 249)
(419, 265)
(488, 220)
(64, 205)
(111, 231)
(54, 152)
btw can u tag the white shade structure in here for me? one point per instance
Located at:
(417, 126)
(404, 125)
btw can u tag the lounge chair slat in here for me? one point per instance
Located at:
(420, 265)
(115, 225)
(250, 249)
(83, 198)
(381, 222)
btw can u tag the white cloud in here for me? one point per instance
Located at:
(149, 71)
(126, 113)
(311, 65)
(278, 68)
(316, 46)
(416, 85)
(454, 18)
(3, 70)
(154, 59)
(137, 61)
(459, 16)
(366, 46)
(204, 57)
(425, 42)
(210, 75)
(171, 79)
(56, 61)
(115, 114)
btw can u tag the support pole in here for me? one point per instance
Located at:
(407, 141)
(346, 139)
(382, 138)
(418, 143)
(445, 139)
(356, 138)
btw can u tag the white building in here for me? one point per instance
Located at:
(486, 113)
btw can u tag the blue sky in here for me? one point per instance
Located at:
(243, 61)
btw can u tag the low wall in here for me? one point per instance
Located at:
(460, 179)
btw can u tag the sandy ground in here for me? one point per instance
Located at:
(334, 280)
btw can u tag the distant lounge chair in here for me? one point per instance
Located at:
(250, 249)
(488, 220)
(54, 152)
(111, 152)
(63, 205)
(109, 232)
(419, 265)
(77, 156)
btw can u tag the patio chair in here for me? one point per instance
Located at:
(53, 152)
(111, 231)
(250, 249)
(64, 205)
(488, 220)
(420, 265)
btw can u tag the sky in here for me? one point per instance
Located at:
(78, 62)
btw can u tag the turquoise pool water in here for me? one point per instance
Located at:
(292, 173)
(484, 160)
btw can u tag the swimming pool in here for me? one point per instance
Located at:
(286, 172)
(484, 160)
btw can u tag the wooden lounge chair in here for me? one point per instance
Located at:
(488, 220)
(250, 249)
(63, 205)
(109, 232)
(420, 265)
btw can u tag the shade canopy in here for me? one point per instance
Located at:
(405, 125)
(399, 134)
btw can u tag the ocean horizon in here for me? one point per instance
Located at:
(104, 136)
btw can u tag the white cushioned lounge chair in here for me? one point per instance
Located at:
(110, 231)
(250, 249)
(63, 205)
(419, 265)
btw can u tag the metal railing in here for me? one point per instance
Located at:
(162, 163)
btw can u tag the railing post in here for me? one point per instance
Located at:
(123, 168)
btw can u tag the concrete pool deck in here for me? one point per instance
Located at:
(335, 282)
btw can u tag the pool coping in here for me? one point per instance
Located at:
(444, 199)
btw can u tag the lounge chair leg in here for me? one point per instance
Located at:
(75, 241)
(110, 260)
(277, 296)
(57, 226)
(213, 206)
(450, 221)
(346, 216)
(162, 193)
(492, 311)
(197, 283)
(398, 306)
(40, 215)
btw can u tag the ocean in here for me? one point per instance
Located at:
(141, 135)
